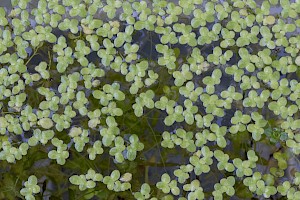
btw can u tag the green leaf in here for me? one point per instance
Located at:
(46, 123)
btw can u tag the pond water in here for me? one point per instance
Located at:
(154, 160)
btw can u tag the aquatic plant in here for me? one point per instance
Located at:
(116, 99)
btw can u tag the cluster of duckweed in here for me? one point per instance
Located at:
(187, 99)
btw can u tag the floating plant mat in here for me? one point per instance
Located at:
(114, 99)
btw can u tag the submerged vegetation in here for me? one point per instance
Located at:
(187, 99)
